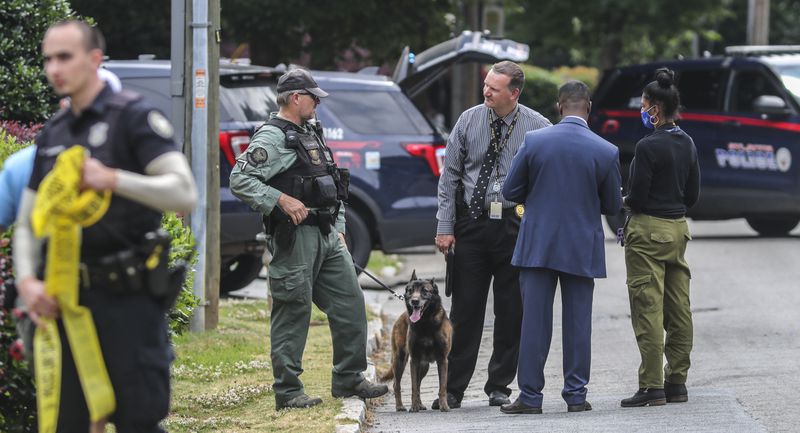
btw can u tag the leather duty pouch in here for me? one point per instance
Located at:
(325, 189)
(128, 271)
(343, 187)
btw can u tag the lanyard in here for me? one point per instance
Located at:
(500, 143)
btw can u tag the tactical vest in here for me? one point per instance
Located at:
(314, 178)
(126, 221)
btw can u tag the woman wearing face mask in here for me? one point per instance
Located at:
(664, 183)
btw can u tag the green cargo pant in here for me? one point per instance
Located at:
(658, 288)
(318, 268)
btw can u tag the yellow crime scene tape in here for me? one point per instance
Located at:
(59, 213)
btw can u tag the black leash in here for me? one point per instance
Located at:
(400, 297)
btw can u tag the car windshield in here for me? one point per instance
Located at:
(377, 112)
(791, 79)
(251, 103)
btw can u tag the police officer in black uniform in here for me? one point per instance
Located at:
(133, 155)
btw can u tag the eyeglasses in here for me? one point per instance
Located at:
(313, 96)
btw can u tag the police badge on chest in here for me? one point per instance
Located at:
(98, 134)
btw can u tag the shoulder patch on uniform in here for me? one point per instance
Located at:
(257, 156)
(159, 124)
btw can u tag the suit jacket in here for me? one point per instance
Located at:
(567, 176)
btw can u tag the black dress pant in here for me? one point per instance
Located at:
(483, 253)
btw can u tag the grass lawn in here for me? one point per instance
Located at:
(378, 260)
(221, 380)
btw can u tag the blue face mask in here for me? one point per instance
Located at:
(647, 120)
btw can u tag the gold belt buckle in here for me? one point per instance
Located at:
(84, 270)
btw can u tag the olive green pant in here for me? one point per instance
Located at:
(658, 288)
(317, 269)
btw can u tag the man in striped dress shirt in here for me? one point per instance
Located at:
(479, 152)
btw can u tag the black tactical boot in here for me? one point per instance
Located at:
(646, 397)
(365, 389)
(300, 402)
(676, 392)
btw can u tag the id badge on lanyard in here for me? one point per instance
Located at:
(495, 210)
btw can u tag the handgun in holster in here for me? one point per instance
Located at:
(163, 283)
(281, 227)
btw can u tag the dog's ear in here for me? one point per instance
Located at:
(413, 275)
(433, 284)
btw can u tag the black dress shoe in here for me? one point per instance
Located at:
(518, 407)
(583, 407)
(452, 401)
(676, 392)
(646, 397)
(497, 398)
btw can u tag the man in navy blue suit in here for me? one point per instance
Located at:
(567, 176)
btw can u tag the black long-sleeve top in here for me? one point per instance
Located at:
(665, 174)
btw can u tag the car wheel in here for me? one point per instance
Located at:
(615, 222)
(238, 272)
(773, 226)
(357, 236)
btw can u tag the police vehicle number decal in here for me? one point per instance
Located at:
(333, 133)
(762, 157)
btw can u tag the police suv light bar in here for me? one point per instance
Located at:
(755, 50)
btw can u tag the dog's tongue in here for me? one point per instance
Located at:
(415, 315)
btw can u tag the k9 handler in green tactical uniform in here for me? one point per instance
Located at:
(289, 175)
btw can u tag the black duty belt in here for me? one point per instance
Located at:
(122, 272)
(322, 220)
(508, 212)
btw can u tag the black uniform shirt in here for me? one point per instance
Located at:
(665, 174)
(127, 135)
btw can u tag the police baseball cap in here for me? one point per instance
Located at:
(300, 79)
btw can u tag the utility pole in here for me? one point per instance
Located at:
(195, 90)
(212, 175)
(758, 22)
(466, 85)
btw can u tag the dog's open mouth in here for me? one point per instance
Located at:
(416, 314)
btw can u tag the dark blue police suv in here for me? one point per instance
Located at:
(743, 112)
(393, 151)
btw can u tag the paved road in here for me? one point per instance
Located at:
(745, 371)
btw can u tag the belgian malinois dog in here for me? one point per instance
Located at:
(424, 333)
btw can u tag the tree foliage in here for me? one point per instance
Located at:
(314, 33)
(131, 28)
(278, 31)
(24, 92)
(606, 33)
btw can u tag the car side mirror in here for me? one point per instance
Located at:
(771, 105)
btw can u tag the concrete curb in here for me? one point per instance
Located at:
(354, 408)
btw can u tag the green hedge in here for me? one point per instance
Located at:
(24, 92)
(541, 86)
